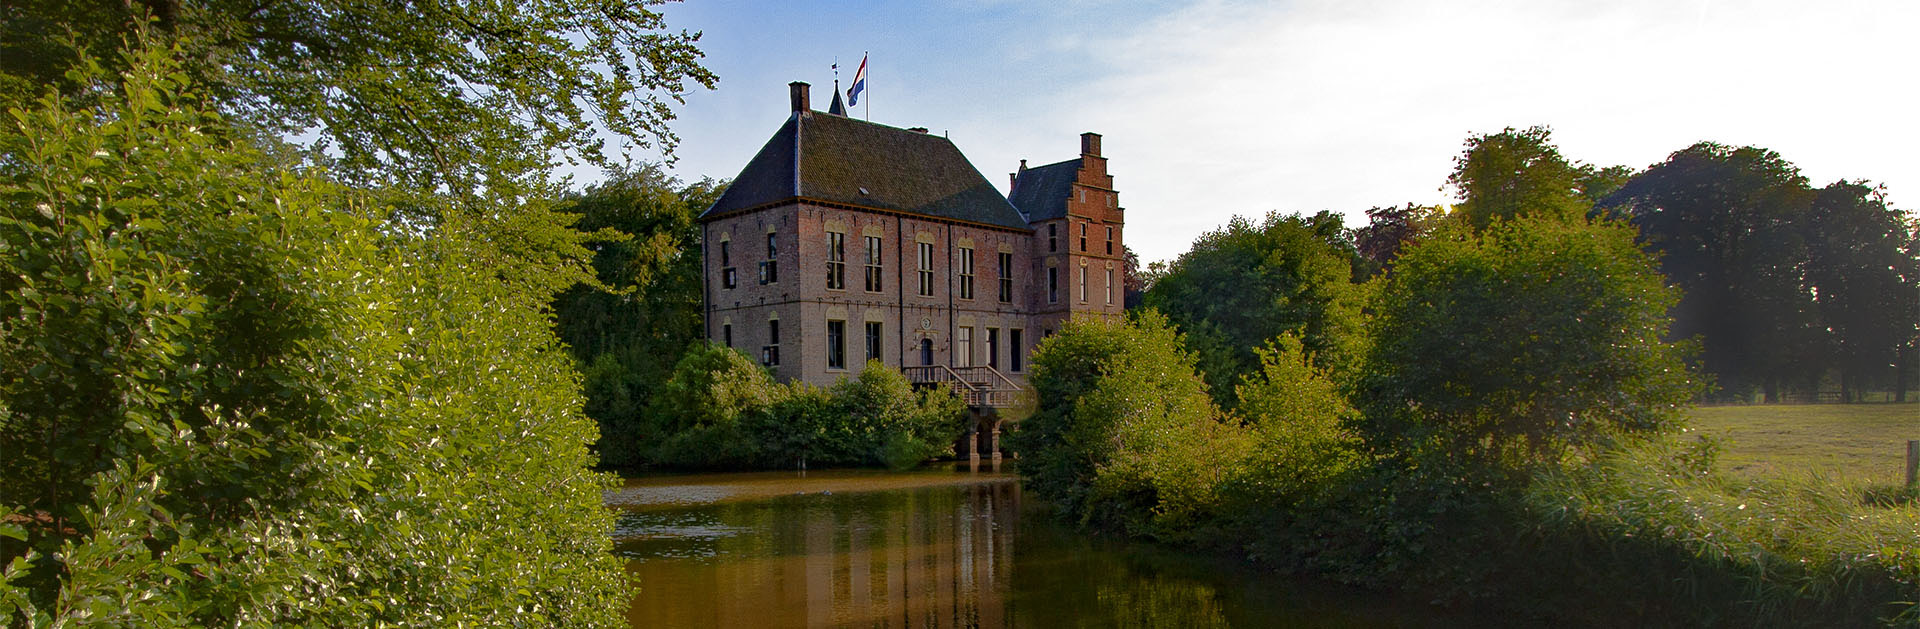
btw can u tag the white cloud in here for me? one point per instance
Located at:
(1229, 108)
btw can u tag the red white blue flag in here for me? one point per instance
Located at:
(859, 83)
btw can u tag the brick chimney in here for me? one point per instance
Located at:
(1090, 144)
(802, 102)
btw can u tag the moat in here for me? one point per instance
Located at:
(946, 546)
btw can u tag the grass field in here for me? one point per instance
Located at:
(1853, 442)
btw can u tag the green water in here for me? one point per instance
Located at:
(947, 547)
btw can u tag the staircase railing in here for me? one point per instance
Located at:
(977, 386)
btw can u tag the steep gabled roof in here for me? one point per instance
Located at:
(1042, 192)
(841, 160)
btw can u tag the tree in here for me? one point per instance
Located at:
(419, 94)
(1729, 226)
(1513, 173)
(1864, 271)
(1388, 230)
(1522, 342)
(1134, 280)
(1247, 283)
(230, 397)
(1124, 434)
(629, 331)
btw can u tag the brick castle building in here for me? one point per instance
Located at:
(844, 240)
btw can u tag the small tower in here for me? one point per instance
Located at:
(1079, 257)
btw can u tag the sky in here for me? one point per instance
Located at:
(1213, 109)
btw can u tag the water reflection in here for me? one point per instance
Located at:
(973, 554)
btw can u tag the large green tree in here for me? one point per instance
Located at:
(1247, 283)
(1514, 173)
(1731, 228)
(232, 395)
(1863, 268)
(421, 94)
(629, 332)
(1516, 344)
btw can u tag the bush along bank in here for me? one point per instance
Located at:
(1509, 436)
(721, 410)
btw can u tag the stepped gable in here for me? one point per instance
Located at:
(823, 157)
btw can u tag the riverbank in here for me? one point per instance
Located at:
(670, 488)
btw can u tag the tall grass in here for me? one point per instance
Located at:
(1805, 550)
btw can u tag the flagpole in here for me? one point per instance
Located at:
(863, 60)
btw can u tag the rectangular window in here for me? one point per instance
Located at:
(966, 273)
(1109, 240)
(728, 279)
(1053, 242)
(836, 261)
(1083, 284)
(1053, 285)
(873, 264)
(770, 353)
(993, 347)
(726, 333)
(926, 269)
(1109, 286)
(726, 254)
(873, 340)
(770, 268)
(1018, 357)
(836, 345)
(1083, 238)
(1006, 277)
(963, 347)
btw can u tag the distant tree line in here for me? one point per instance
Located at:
(1786, 290)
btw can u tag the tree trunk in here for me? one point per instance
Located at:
(1771, 390)
(1900, 374)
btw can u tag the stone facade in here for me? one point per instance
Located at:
(813, 280)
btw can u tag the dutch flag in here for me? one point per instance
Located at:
(859, 83)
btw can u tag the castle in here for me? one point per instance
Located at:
(843, 241)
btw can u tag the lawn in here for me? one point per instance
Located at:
(1857, 442)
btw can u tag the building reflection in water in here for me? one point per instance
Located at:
(932, 557)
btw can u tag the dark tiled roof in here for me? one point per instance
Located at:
(1042, 192)
(842, 160)
(768, 176)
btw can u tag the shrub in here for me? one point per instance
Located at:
(1299, 419)
(711, 385)
(722, 410)
(1124, 434)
